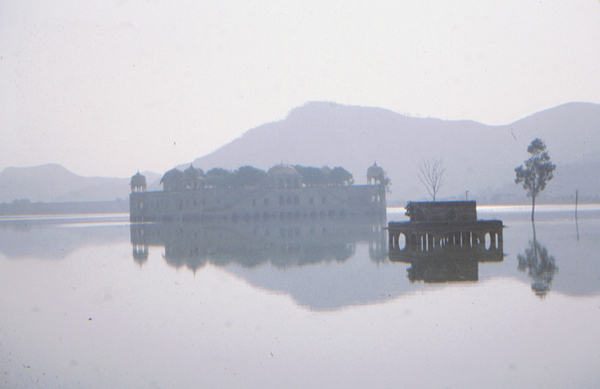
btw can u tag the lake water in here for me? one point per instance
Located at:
(94, 302)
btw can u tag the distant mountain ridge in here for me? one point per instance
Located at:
(478, 158)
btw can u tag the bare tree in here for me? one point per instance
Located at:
(431, 174)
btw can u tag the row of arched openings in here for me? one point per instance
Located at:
(491, 240)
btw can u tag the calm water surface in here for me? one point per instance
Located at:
(93, 302)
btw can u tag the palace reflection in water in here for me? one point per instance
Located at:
(263, 302)
(283, 243)
(295, 243)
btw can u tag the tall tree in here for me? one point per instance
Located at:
(340, 176)
(311, 176)
(538, 170)
(218, 178)
(249, 176)
(431, 173)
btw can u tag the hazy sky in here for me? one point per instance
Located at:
(110, 87)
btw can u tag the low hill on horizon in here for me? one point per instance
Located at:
(55, 183)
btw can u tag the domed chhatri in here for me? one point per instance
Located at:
(192, 173)
(138, 183)
(172, 180)
(375, 174)
(283, 170)
(193, 178)
(284, 176)
(284, 192)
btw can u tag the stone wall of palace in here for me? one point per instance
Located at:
(254, 204)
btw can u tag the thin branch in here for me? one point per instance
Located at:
(431, 174)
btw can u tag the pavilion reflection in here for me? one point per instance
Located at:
(446, 263)
(283, 243)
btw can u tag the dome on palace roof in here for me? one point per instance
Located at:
(283, 170)
(375, 171)
(172, 174)
(191, 173)
(138, 180)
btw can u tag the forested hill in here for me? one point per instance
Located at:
(478, 158)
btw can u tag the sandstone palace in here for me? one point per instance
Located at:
(282, 193)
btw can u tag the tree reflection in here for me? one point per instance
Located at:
(540, 266)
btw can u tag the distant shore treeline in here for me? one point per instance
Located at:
(26, 207)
